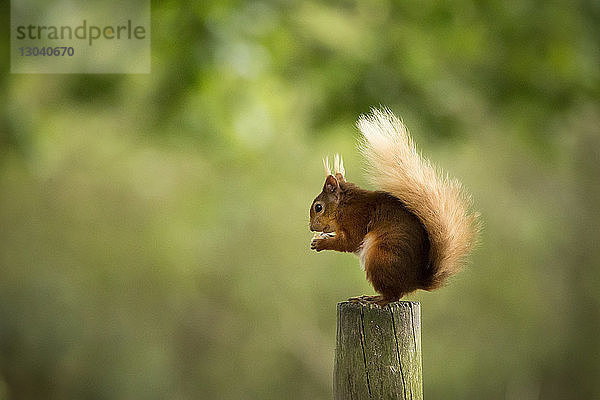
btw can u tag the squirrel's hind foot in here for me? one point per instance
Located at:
(381, 301)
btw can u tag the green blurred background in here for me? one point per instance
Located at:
(154, 238)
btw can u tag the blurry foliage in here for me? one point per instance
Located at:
(154, 228)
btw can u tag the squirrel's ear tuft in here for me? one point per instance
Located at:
(338, 168)
(331, 184)
(326, 166)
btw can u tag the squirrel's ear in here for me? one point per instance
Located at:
(331, 184)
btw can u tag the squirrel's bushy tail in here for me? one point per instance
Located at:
(397, 168)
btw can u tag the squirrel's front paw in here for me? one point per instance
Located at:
(319, 239)
(316, 244)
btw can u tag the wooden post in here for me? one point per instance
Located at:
(378, 352)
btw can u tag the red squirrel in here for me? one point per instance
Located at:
(414, 233)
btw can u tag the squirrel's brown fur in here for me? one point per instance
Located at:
(412, 235)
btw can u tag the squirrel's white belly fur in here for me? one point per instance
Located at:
(364, 248)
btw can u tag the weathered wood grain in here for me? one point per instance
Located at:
(378, 352)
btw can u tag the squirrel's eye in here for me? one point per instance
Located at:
(318, 207)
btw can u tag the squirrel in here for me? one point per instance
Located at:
(414, 233)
